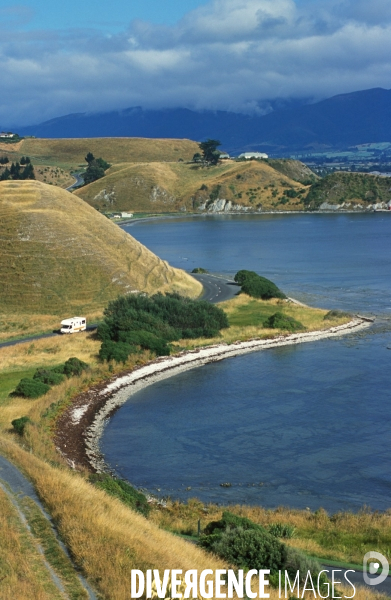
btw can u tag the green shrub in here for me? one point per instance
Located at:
(118, 351)
(30, 388)
(48, 376)
(74, 367)
(335, 314)
(281, 321)
(199, 270)
(123, 491)
(282, 530)
(152, 322)
(20, 424)
(257, 286)
(231, 521)
(250, 549)
(298, 561)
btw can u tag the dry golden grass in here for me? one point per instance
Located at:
(53, 175)
(70, 153)
(50, 351)
(106, 539)
(163, 187)
(60, 256)
(23, 574)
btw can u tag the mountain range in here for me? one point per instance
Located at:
(335, 123)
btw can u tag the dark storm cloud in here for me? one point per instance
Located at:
(229, 54)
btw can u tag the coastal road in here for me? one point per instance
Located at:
(33, 338)
(79, 181)
(217, 288)
(357, 579)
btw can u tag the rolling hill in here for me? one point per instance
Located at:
(173, 187)
(70, 153)
(60, 256)
(341, 121)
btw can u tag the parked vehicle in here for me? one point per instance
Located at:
(73, 325)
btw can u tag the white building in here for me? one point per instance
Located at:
(248, 155)
(6, 135)
(126, 215)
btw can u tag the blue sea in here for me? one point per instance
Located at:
(301, 426)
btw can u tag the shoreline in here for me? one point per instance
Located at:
(183, 215)
(80, 428)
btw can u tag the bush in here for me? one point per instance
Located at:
(281, 321)
(298, 561)
(48, 376)
(335, 314)
(30, 388)
(150, 323)
(118, 351)
(282, 530)
(199, 270)
(20, 424)
(73, 367)
(250, 549)
(123, 491)
(256, 286)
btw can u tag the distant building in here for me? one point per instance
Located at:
(249, 155)
(126, 215)
(7, 135)
(224, 156)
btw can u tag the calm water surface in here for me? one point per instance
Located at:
(300, 426)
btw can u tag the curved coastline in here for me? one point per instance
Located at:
(81, 426)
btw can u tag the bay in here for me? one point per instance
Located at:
(304, 426)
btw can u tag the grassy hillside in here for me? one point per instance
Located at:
(70, 153)
(294, 169)
(58, 255)
(349, 188)
(162, 187)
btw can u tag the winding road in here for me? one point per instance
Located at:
(79, 181)
(217, 288)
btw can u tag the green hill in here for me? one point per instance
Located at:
(60, 256)
(350, 190)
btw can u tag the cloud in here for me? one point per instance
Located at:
(228, 54)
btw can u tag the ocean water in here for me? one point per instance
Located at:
(302, 426)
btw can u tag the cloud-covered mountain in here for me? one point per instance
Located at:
(224, 55)
(343, 120)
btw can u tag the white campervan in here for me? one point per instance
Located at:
(73, 325)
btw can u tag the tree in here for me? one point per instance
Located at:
(96, 168)
(197, 157)
(209, 151)
(89, 158)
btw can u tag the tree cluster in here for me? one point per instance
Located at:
(143, 322)
(16, 172)
(257, 286)
(96, 168)
(43, 378)
(4, 160)
(247, 545)
(210, 155)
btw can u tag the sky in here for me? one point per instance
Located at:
(66, 57)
